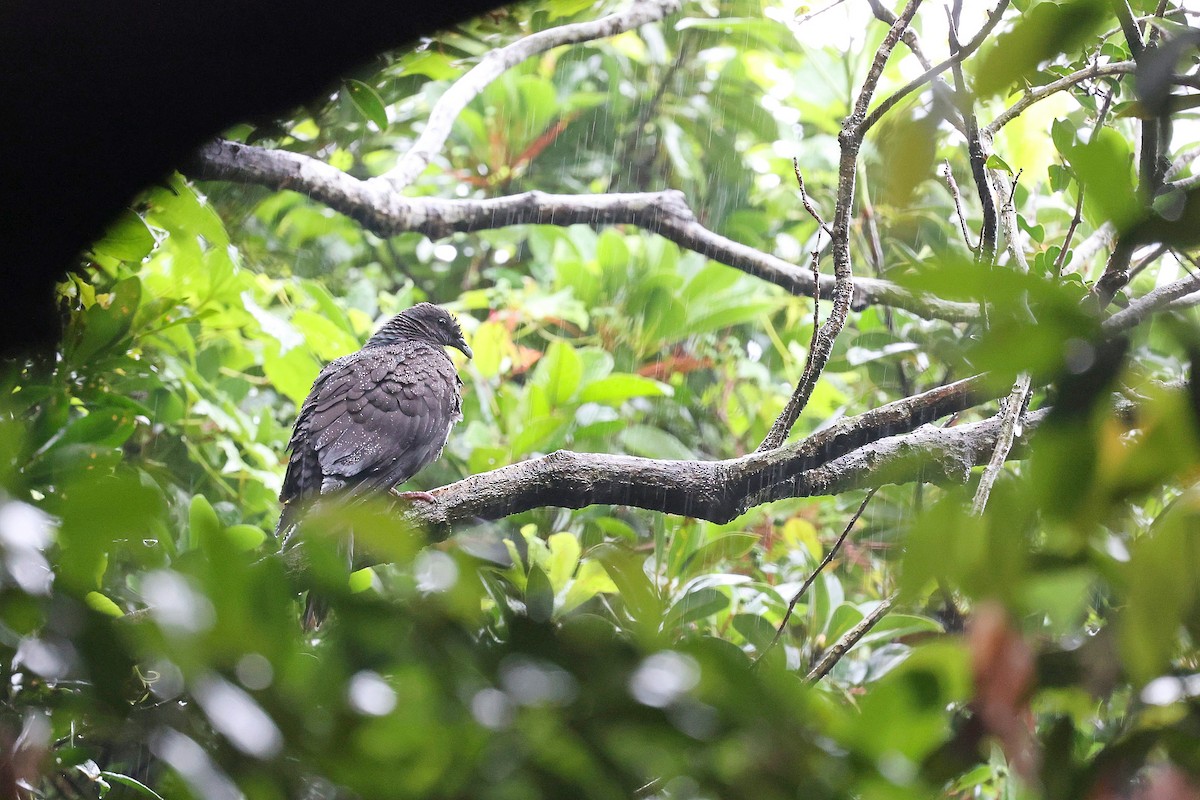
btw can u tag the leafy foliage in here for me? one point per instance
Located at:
(148, 628)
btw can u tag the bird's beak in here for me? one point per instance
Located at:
(462, 345)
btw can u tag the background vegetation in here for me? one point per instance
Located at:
(1039, 641)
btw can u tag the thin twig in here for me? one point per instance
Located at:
(850, 140)
(834, 654)
(819, 11)
(499, 61)
(1042, 92)
(1149, 258)
(1010, 428)
(815, 264)
(806, 201)
(958, 207)
(833, 551)
(938, 68)
(976, 148)
(1181, 162)
(1150, 303)
(1061, 260)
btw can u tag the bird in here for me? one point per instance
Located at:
(374, 419)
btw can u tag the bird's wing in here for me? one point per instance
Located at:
(376, 418)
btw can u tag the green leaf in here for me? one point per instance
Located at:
(591, 579)
(564, 558)
(695, 606)
(996, 162)
(560, 370)
(102, 604)
(246, 537)
(539, 595)
(729, 547)
(1045, 31)
(132, 783)
(106, 324)
(368, 102)
(638, 594)
(1105, 168)
(616, 389)
(755, 629)
(202, 521)
(128, 238)
(648, 442)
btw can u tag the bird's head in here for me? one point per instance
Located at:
(423, 321)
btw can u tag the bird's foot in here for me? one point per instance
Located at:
(425, 497)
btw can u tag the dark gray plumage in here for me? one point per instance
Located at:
(375, 418)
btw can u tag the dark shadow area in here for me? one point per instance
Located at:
(101, 100)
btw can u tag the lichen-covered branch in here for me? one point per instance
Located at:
(387, 213)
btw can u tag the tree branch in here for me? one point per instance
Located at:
(387, 213)
(938, 68)
(1066, 82)
(496, 63)
(833, 551)
(1010, 428)
(835, 653)
(850, 140)
(977, 147)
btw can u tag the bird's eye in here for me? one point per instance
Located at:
(442, 321)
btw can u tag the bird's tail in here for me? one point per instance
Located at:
(316, 609)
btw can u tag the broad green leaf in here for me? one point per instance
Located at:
(590, 580)
(539, 595)
(368, 102)
(99, 602)
(127, 239)
(564, 558)
(648, 442)
(616, 389)
(560, 370)
(695, 606)
(246, 537)
(1105, 168)
(202, 521)
(1045, 31)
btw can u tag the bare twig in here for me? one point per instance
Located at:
(912, 39)
(818, 12)
(1181, 162)
(938, 68)
(387, 213)
(958, 207)
(787, 615)
(976, 148)
(1010, 428)
(1146, 260)
(834, 654)
(850, 140)
(1098, 240)
(496, 63)
(815, 265)
(1042, 92)
(1150, 303)
(1061, 260)
(807, 201)
(1149, 167)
